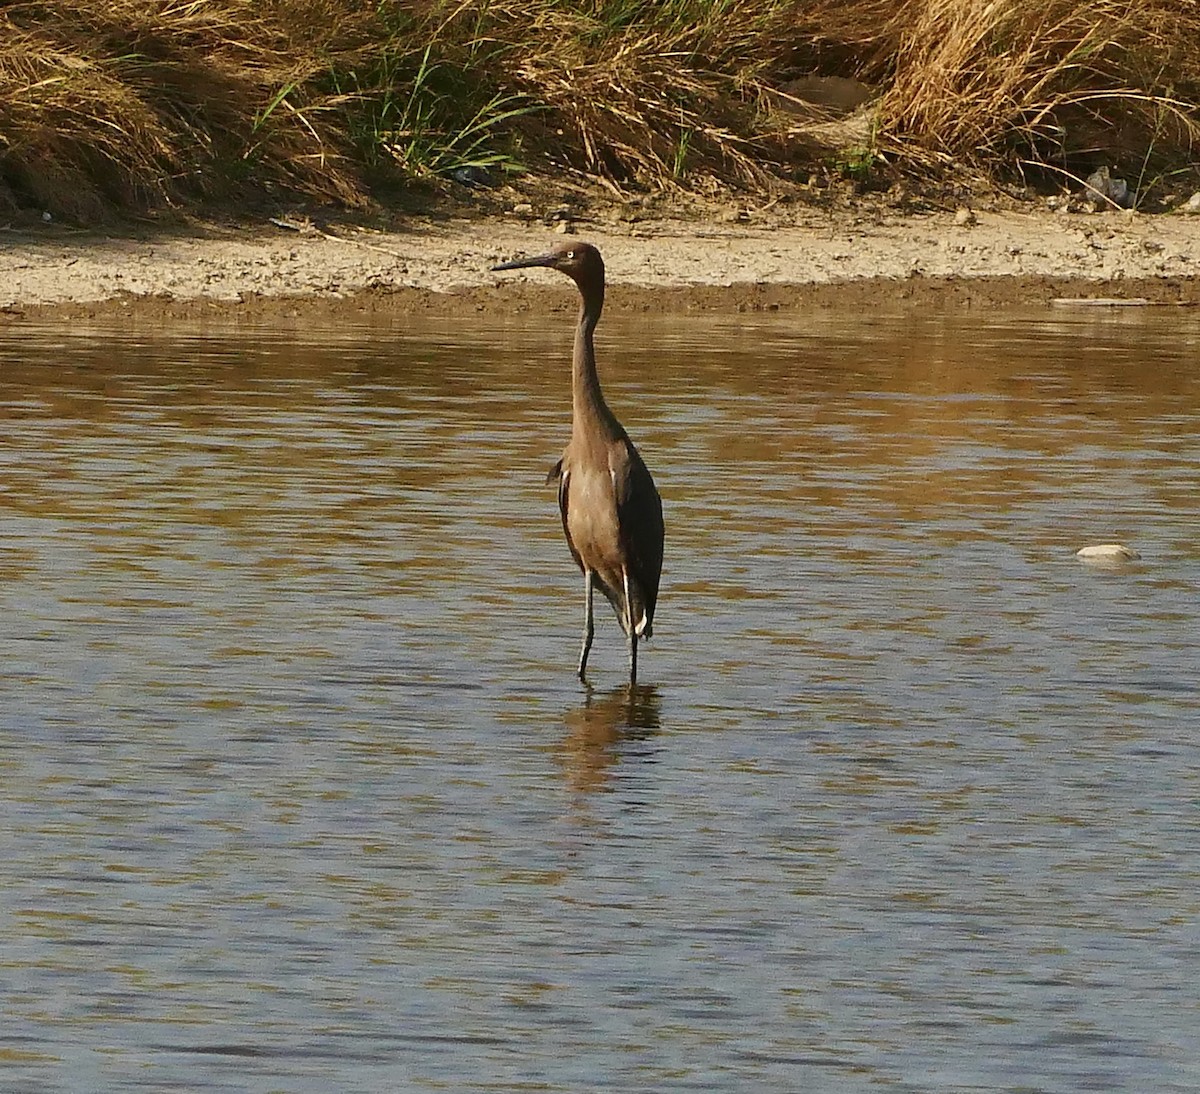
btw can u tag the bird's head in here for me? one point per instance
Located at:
(579, 261)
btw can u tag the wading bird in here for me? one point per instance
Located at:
(611, 512)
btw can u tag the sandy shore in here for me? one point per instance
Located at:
(1000, 258)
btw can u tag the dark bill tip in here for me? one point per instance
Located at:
(524, 263)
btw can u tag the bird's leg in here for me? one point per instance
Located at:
(588, 628)
(633, 638)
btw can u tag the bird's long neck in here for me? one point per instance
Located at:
(588, 405)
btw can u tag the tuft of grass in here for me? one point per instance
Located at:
(129, 103)
(426, 118)
(126, 104)
(1052, 84)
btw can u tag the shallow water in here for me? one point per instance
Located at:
(300, 792)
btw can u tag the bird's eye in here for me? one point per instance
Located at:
(570, 254)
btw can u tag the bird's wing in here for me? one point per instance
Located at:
(639, 516)
(562, 473)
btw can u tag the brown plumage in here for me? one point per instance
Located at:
(611, 511)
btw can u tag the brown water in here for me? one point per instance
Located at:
(299, 792)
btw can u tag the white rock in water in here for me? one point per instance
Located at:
(1107, 552)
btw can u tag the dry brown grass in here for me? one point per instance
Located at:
(671, 93)
(131, 103)
(1053, 83)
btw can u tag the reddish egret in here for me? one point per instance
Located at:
(611, 512)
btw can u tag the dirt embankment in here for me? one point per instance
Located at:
(443, 267)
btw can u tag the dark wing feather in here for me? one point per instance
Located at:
(562, 474)
(639, 513)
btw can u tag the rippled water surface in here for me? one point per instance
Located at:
(299, 791)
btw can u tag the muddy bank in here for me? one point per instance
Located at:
(443, 267)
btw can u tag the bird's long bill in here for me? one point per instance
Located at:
(525, 263)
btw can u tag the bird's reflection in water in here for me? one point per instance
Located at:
(602, 730)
